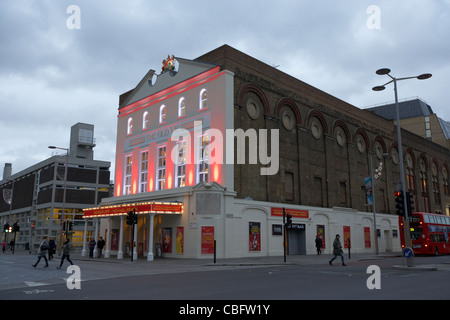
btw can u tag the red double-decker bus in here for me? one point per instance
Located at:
(429, 233)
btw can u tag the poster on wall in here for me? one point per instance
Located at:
(254, 243)
(367, 243)
(167, 240)
(347, 238)
(321, 234)
(207, 240)
(115, 233)
(180, 240)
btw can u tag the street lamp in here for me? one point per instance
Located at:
(60, 241)
(386, 71)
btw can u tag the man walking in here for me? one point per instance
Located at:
(43, 248)
(337, 251)
(66, 253)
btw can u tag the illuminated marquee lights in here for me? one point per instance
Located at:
(141, 208)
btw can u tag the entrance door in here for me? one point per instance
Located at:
(297, 239)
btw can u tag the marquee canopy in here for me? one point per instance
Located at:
(140, 207)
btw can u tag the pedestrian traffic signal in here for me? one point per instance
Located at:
(399, 203)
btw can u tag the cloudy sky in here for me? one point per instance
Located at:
(58, 67)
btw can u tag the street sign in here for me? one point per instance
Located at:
(407, 252)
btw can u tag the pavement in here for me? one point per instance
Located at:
(16, 269)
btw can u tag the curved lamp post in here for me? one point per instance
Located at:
(386, 71)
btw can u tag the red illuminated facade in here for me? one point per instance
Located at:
(146, 144)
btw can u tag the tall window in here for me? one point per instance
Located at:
(435, 179)
(162, 114)
(128, 171)
(203, 99)
(181, 164)
(161, 171)
(203, 159)
(145, 120)
(445, 180)
(181, 107)
(410, 172)
(130, 126)
(143, 176)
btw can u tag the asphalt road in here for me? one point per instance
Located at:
(247, 282)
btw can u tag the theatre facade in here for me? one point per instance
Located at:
(210, 151)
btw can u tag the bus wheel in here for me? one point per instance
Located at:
(436, 251)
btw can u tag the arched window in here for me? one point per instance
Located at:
(203, 99)
(162, 114)
(145, 120)
(130, 126)
(181, 107)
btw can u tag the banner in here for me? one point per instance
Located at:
(369, 192)
(278, 212)
(347, 237)
(207, 240)
(254, 242)
(180, 240)
(167, 240)
(367, 243)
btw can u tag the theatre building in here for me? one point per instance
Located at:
(211, 150)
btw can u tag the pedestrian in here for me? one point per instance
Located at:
(43, 248)
(51, 248)
(337, 251)
(100, 245)
(3, 247)
(319, 244)
(92, 244)
(66, 253)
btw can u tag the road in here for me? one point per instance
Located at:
(108, 281)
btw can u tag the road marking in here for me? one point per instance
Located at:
(35, 284)
(36, 291)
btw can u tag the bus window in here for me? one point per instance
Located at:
(426, 218)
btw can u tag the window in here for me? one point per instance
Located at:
(181, 107)
(161, 171)
(145, 120)
(410, 172)
(180, 165)
(162, 114)
(130, 126)
(435, 179)
(143, 176)
(445, 180)
(128, 171)
(203, 159)
(203, 99)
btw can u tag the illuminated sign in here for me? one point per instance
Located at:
(278, 212)
(142, 207)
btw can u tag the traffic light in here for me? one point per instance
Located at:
(410, 203)
(130, 217)
(6, 227)
(288, 220)
(399, 203)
